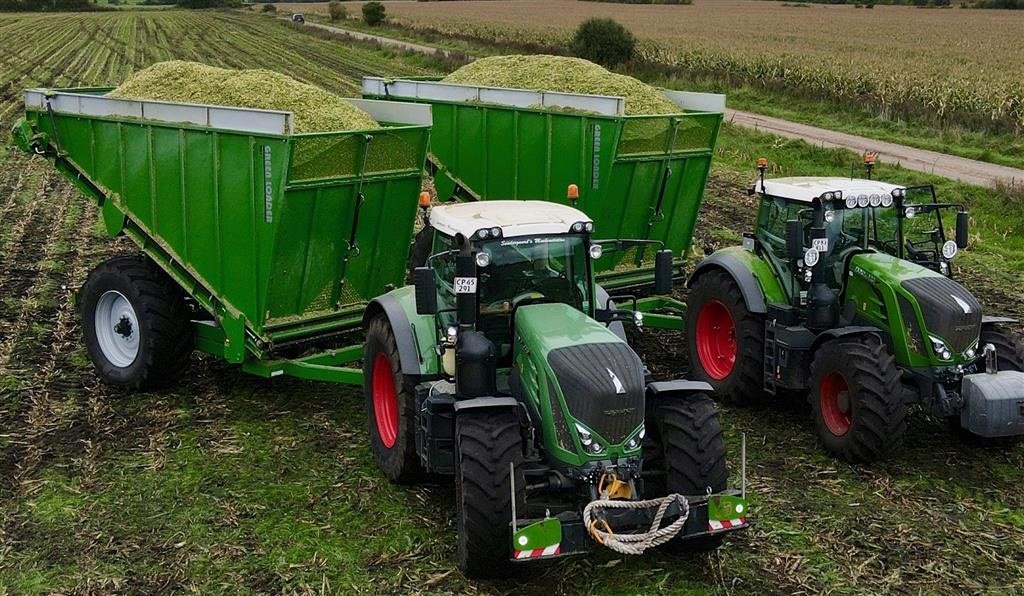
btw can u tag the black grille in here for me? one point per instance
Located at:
(950, 311)
(584, 374)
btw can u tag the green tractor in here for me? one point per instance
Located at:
(507, 367)
(845, 292)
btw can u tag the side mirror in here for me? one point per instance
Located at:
(794, 239)
(663, 272)
(961, 229)
(426, 290)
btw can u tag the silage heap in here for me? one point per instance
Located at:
(564, 75)
(315, 109)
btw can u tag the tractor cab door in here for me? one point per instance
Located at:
(771, 231)
(923, 234)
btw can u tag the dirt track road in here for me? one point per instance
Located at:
(921, 160)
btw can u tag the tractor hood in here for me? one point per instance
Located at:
(929, 303)
(599, 378)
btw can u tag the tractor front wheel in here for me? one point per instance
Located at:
(390, 406)
(684, 453)
(725, 340)
(490, 445)
(856, 399)
(137, 326)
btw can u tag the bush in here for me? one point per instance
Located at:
(337, 11)
(269, 8)
(373, 13)
(604, 41)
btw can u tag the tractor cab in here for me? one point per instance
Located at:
(855, 216)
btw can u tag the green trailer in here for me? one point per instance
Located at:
(638, 177)
(279, 238)
(503, 367)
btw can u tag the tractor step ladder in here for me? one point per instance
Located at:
(771, 355)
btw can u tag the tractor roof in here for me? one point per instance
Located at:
(515, 218)
(808, 188)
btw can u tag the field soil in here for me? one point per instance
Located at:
(230, 483)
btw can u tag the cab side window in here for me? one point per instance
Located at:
(774, 215)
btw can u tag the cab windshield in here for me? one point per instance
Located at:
(534, 268)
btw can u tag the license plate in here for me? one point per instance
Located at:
(465, 285)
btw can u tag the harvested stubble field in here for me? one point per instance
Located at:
(957, 70)
(229, 483)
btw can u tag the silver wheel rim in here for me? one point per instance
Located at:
(117, 329)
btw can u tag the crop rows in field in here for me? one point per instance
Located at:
(943, 66)
(101, 49)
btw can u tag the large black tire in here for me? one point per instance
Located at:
(137, 325)
(390, 405)
(487, 442)
(684, 453)
(1009, 356)
(1009, 346)
(856, 399)
(725, 340)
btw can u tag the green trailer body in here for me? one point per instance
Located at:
(280, 236)
(639, 177)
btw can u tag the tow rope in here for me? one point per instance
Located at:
(633, 543)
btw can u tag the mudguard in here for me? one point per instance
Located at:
(848, 332)
(478, 403)
(664, 388)
(400, 326)
(987, 320)
(744, 268)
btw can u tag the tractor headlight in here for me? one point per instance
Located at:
(949, 250)
(484, 233)
(909, 211)
(830, 216)
(577, 227)
(875, 200)
(899, 192)
(941, 349)
(596, 447)
(851, 201)
(887, 200)
(585, 436)
(596, 251)
(635, 441)
(863, 200)
(495, 232)
(483, 259)
(971, 351)
(589, 226)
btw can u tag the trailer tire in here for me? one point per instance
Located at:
(1009, 356)
(136, 323)
(487, 442)
(725, 339)
(685, 452)
(856, 399)
(390, 405)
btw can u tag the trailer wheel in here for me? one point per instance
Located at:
(487, 442)
(725, 340)
(1009, 356)
(390, 406)
(136, 323)
(856, 399)
(684, 453)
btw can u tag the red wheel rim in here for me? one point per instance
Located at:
(836, 409)
(385, 401)
(716, 340)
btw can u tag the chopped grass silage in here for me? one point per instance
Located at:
(315, 109)
(563, 75)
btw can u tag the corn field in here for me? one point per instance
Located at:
(950, 67)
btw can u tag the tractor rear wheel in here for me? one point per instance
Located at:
(726, 341)
(1009, 356)
(489, 443)
(390, 405)
(684, 453)
(856, 399)
(137, 325)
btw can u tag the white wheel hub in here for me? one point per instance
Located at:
(117, 329)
